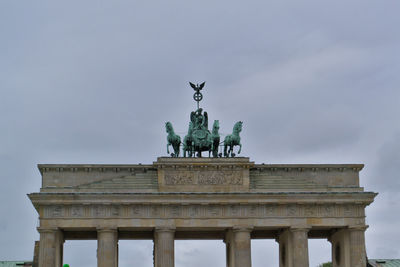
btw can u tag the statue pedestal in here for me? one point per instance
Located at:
(203, 174)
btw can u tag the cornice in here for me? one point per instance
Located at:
(94, 167)
(189, 163)
(308, 167)
(357, 198)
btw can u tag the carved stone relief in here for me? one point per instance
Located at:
(179, 178)
(57, 211)
(76, 211)
(204, 211)
(220, 177)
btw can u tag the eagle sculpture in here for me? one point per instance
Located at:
(197, 87)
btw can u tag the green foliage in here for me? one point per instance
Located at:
(326, 264)
(66, 265)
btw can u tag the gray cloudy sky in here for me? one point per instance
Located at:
(95, 81)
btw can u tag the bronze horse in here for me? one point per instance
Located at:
(233, 140)
(172, 139)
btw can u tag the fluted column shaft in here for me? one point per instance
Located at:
(51, 247)
(293, 247)
(230, 248)
(164, 247)
(300, 246)
(357, 246)
(107, 248)
(242, 246)
(284, 249)
(340, 248)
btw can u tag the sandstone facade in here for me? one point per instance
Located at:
(231, 199)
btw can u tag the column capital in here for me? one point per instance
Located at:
(165, 229)
(47, 229)
(242, 229)
(358, 227)
(107, 229)
(300, 228)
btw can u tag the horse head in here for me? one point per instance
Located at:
(168, 127)
(215, 126)
(238, 127)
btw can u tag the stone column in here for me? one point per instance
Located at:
(300, 246)
(357, 246)
(293, 247)
(36, 254)
(51, 247)
(340, 248)
(107, 247)
(242, 246)
(284, 249)
(164, 247)
(230, 248)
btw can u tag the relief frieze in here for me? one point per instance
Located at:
(115, 211)
(76, 211)
(215, 177)
(228, 211)
(220, 178)
(136, 211)
(98, 211)
(234, 210)
(57, 211)
(179, 178)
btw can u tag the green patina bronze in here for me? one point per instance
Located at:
(198, 138)
(188, 142)
(233, 140)
(197, 96)
(172, 139)
(215, 138)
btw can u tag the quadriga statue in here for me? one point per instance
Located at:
(198, 138)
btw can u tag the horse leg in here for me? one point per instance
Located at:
(168, 148)
(174, 147)
(240, 148)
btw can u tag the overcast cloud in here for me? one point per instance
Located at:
(95, 81)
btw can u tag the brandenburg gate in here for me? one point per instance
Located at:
(221, 197)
